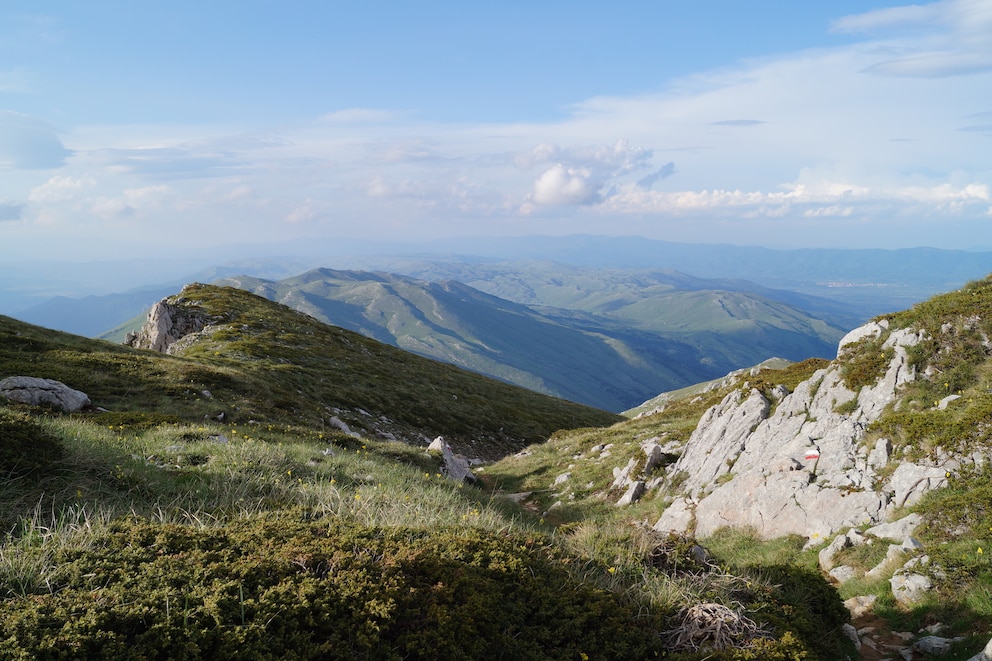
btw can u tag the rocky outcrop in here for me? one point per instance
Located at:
(456, 467)
(167, 324)
(43, 392)
(799, 466)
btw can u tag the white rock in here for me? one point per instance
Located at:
(909, 588)
(860, 605)
(933, 645)
(910, 482)
(896, 530)
(947, 400)
(843, 573)
(634, 492)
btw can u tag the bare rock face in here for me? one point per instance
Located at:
(38, 392)
(167, 324)
(801, 469)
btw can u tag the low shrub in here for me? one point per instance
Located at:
(283, 587)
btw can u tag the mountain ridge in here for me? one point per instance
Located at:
(613, 354)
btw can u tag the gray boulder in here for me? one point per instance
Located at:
(633, 494)
(909, 588)
(456, 466)
(37, 392)
(897, 530)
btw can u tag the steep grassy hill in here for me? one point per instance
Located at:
(262, 361)
(156, 530)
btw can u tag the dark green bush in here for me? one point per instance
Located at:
(282, 588)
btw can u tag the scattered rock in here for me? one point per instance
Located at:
(933, 645)
(621, 477)
(340, 424)
(561, 479)
(861, 605)
(843, 573)
(942, 405)
(826, 555)
(909, 588)
(455, 465)
(49, 392)
(852, 633)
(634, 492)
(896, 530)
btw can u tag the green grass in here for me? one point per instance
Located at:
(156, 531)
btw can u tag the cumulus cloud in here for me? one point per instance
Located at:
(560, 185)
(130, 202)
(28, 143)
(579, 175)
(823, 200)
(60, 189)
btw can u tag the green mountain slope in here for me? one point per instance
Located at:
(623, 341)
(265, 362)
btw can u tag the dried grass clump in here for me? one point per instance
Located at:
(711, 626)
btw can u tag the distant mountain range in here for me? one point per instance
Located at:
(617, 339)
(610, 322)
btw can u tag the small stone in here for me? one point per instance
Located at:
(843, 573)
(860, 605)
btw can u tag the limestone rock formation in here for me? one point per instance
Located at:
(36, 392)
(799, 467)
(167, 324)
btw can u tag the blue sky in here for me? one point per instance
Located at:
(131, 126)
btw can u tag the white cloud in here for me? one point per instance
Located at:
(562, 186)
(826, 212)
(826, 199)
(302, 213)
(957, 37)
(60, 189)
(807, 136)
